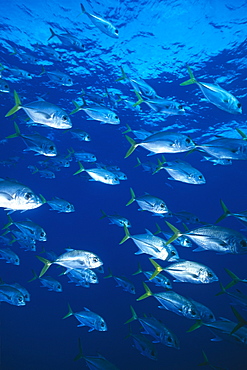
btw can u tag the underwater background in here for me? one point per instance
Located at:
(157, 39)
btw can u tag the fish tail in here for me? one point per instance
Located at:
(235, 279)
(192, 79)
(139, 163)
(133, 146)
(104, 214)
(132, 197)
(47, 265)
(123, 77)
(225, 214)
(241, 321)
(80, 354)
(128, 129)
(205, 362)
(176, 234)
(8, 224)
(43, 200)
(35, 276)
(17, 132)
(147, 294)
(134, 316)
(16, 107)
(1, 67)
(43, 71)
(14, 51)
(158, 230)
(223, 290)
(139, 270)
(197, 325)
(160, 166)
(52, 34)
(70, 313)
(109, 275)
(83, 9)
(127, 235)
(158, 268)
(140, 100)
(81, 169)
(77, 107)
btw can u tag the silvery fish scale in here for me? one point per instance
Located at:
(178, 304)
(192, 272)
(78, 259)
(151, 245)
(219, 239)
(47, 114)
(16, 196)
(167, 142)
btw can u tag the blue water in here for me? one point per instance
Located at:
(156, 40)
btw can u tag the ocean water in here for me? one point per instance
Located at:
(156, 41)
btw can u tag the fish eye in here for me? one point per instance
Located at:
(102, 324)
(95, 259)
(6, 86)
(20, 299)
(29, 74)
(52, 147)
(162, 205)
(243, 243)
(188, 140)
(200, 177)
(27, 196)
(180, 107)
(193, 313)
(116, 117)
(239, 105)
(210, 274)
(64, 118)
(173, 253)
(169, 339)
(42, 234)
(116, 31)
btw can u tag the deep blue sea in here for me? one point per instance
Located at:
(157, 39)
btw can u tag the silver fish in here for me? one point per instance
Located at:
(15, 196)
(149, 203)
(43, 112)
(182, 171)
(68, 40)
(98, 113)
(103, 25)
(219, 239)
(216, 95)
(174, 302)
(152, 245)
(37, 143)
(187, 271)
(161, 105)
(100, 174)
(163, 142)
(59, 77)
(73, 259)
